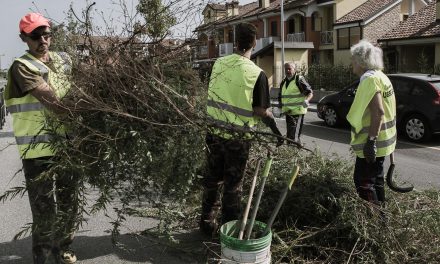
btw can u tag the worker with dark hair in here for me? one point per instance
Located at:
(37, 81)
(238, 98)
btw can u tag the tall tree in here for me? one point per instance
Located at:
(158, 18)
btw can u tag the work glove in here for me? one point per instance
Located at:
(270, 122)
(370, 151)
(306, 103)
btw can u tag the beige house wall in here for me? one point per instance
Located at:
(343, 7)
(299, 56)
(381, 25)
(266, 64)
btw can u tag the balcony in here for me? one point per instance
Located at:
(200, 52)
(263, 42)
(225, 49)
(326, 37)
(296, 37)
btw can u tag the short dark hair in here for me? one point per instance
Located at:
(245, 34)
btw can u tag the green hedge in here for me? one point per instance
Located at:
(329, 77)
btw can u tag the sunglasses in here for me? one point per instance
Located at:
(36, 36)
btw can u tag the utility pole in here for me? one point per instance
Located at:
(1, 69)
(282, 40)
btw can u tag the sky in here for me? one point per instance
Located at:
(11, 12)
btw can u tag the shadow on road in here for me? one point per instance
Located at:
(136, 248)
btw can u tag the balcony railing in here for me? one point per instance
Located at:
(225, 49)
(203, 50)
(326, 37)
(200, 52)
(263, 42)
(296, 37)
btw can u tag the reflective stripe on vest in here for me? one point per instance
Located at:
(42, 69)
(25, 107)
(29, 115)
(384, 126)
(230, 108)
(292, 100)
(230, 95)
(379, 144)
(33, 139)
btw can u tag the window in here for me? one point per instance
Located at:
(315, 57)
(355, 35)
(343, 40)
(273, 29)
(291, 26)
(347, 37)
(316, 22)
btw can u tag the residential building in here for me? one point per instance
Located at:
(308, 31)
(371, 20)
(315, 31)
(414, 44)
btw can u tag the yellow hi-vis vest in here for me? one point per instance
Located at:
(359, 115)
(230, 95)
(292, 100)
(30, 125)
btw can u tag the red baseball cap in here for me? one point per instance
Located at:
(31, 21)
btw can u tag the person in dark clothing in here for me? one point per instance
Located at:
(295, 95)
(238, 98)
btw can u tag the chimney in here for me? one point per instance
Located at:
(232, 8)
(263, 3)
(437, 10)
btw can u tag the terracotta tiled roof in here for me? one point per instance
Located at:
(217, 6)
(252, 9)
(421, 24)
(365, 11)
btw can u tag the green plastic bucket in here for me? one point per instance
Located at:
(255, 251)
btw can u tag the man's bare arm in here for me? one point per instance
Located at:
(47, 97)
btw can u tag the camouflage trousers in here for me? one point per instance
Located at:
(294, 124)
(224, 180)
(54, 217)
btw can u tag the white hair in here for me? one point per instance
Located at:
(367, 56)
(291, 63)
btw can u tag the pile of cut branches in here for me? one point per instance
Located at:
(324, 221)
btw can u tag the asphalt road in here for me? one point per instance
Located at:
(418, 164)
(92, 243)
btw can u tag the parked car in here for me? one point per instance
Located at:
(417, 99)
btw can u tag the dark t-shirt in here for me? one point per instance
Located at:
(261, 97)
(23, 80)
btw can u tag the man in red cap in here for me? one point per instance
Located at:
(37, 81)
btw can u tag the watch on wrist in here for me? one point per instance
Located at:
(372, 138)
